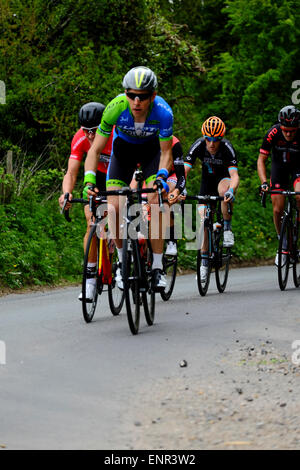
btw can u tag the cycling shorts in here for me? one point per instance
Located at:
(282, 175)
(209, 185)
(125, 158)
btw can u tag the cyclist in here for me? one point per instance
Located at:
(283, 140)
(89, 117)
(143, 134)
(219, 174)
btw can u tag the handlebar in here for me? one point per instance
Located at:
(274, 191)
(126, 191)
(209, 198)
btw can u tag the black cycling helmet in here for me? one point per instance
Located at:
(140, 78)
(90, 115)
(289, 116)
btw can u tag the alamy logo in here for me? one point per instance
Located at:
(296, 94)
(2, 92)
(2, 353)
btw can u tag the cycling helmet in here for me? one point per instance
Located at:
(140, 78)
(289, 116)
(90, 115)
(213, 127)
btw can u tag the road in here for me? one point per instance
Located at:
(66, 384)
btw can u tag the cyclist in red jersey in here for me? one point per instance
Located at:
(90, 116)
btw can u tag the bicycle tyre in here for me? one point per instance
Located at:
(170, 269)
(89, 308)
(296, 253)
(148, 296)
(116, 296)
(203, 286)
(131, 285)
(222, 261)
(283, 253)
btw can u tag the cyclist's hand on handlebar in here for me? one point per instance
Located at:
(173, 196)
(183, 195)
(61, 201)
(229, 196)
(89, 190)
(159, 183)
(263, 188)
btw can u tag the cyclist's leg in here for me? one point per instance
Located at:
(279, 182)
(223, 186)
(150, 166)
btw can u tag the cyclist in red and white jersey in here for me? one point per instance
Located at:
(89, 117)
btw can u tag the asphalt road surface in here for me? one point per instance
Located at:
(215, 372)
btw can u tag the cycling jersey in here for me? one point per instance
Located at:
(159, 122)
(177, 173)
(285, 157)
(80, 146)
(218, 164)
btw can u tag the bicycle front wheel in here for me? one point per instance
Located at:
(130, 276)
(283, 252)
(116, 296)
(170, 270)
(296, 254)
(88, 304)
(222, 261)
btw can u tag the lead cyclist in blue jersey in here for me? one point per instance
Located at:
(143, 134)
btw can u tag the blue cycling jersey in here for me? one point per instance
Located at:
(159, 122)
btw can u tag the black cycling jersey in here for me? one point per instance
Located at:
(285, 157)
(214, 167)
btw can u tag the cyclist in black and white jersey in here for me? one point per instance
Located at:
(219, 172)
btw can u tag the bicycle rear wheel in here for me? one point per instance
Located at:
(283, 252)
(222, 261)
(131, 284)
(204, 277)
(296, 254)
(170, 269)
(88, 306)
(116, 296)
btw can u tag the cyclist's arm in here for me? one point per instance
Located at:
(166, 158)
(234, 178)
(92, 159)
(261, 167)
(70, 179)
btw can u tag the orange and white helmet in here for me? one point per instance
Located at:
(213, 127)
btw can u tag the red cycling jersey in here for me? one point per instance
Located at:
(80, 145)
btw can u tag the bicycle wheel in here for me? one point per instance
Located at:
(296, 254)
(283, 252)
(89, 307)
(222, 261)
(116, 296)
(170, 270)
(130, 276)
(204, 277)
(148, 296)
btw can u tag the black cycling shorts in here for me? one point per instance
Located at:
(126, 156)
(283, 175)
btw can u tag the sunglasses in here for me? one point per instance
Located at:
(141, 97)
(288, 129)
(90, 131)
(213, 139)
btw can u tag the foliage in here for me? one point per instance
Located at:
(235, 59)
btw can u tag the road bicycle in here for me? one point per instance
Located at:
(218, 256)
(289, 244)
(103, 248)
(137, 258)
